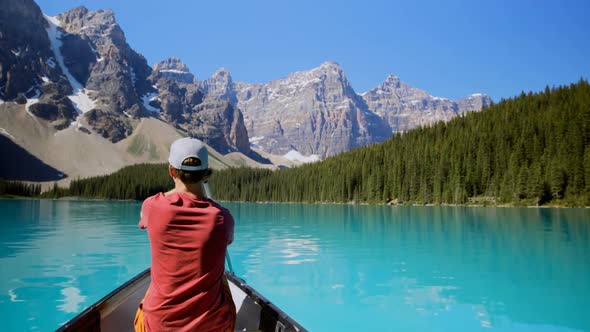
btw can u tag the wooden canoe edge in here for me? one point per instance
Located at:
(272, 319)
(89, 319)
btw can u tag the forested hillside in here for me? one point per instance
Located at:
(17, 188)
(533, 149)
(529, 150)
(131, 182)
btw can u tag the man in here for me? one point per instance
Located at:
(189, 234)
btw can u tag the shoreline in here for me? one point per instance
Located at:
(421, 205)
(506, 205)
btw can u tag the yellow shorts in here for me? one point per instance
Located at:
(139, 322)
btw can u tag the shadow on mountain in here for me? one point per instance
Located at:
(258, 158)
(23, 166)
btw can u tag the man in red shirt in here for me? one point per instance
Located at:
(189, 234)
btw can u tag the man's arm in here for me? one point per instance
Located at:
(144, 213)
(229, 224)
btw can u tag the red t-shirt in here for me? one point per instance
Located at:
(188, 241)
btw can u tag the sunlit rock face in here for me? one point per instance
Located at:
(405, 107)
(314, 112)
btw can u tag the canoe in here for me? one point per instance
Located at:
(116, 311)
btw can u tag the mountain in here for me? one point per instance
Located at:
(106, 71)
(474, 102)
(76, 63)
(71, 88)
(29, 73)
(77, 100)
(221, 86)
(175, 69)
(313, 112)
(213, 120)
(109, 83)
(316, 113)
(405, 107)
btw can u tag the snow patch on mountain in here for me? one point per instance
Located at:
(146, 102)
(295, 155)
(175, 71)
(98, 57)
(80, 99)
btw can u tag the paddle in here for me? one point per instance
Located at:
(208, 195)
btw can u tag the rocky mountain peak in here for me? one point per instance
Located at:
(30, 70)
(392, 80)
(221, 73)
(213, 120)
(78, 19)
(172, 63)
(173, 68)
(393, 86)
(101, 66)
(330, 65)
(25, 53)
(314, 112)
(477, 95)
(474, 102)
(329, 69)
(405, 107)
(328, 77)
(79, 11)
(220, 85)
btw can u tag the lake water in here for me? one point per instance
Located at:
(331, 267)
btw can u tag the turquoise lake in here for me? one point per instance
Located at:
(331, 267)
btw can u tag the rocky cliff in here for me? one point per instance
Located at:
(72, 64)
(213, 120)
(29, 70)
(317, 112)
(176, 70)
(314, 112)
(25, 51)
(474, 102)
(405, 107)
(114, 76)
(79, 64)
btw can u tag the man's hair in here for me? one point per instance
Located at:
(190, 177)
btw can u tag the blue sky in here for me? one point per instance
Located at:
(448, 48)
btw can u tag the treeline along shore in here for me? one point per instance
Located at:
(533, 149)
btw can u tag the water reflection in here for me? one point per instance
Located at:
(72, 300)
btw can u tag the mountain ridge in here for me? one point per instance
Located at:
(399, 105)
(75, 73)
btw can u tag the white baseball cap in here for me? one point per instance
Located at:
(188, 147)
